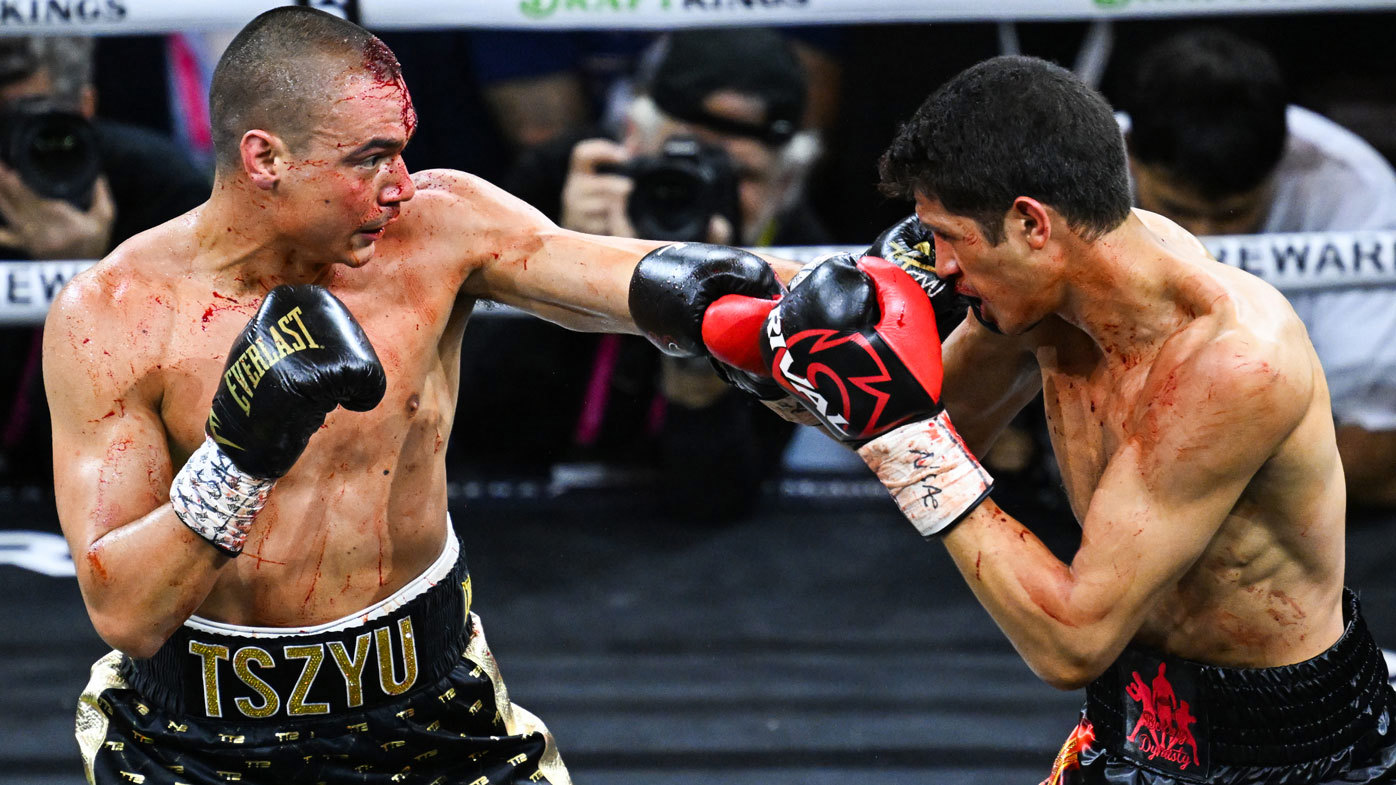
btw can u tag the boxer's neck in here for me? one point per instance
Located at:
(1122, 289)
(238, 242)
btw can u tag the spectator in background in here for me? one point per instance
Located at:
(142, 179)
(741, 93)
(540, 86)
(1214, 145)
(543, 85)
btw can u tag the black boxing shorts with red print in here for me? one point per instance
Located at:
(1158, 720)
(403, 692)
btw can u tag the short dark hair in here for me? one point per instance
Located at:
(1208, 107)
(278, 67)
(1007, 127)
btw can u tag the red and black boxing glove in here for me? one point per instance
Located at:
(855, 342)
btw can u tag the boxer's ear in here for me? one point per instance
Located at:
(260, 151)
(1031, 220)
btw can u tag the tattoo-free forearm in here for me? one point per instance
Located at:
(142, 580)
(1029, 594)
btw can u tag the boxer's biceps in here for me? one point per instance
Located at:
(580, 281)
(110, 468)
(111, 462)
(1157, 508)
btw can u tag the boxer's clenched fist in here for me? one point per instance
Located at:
(698, 300)
(299, 357)
(855, 342)
(910, 245)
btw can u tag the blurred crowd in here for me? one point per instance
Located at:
(740, 136)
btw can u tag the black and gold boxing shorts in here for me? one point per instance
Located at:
(1153, 719)
(403, 692)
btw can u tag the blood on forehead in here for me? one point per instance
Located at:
(385, 71)
(380, 61)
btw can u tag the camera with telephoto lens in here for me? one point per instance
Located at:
(678, 191)
(53, 150)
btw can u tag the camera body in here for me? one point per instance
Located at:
(53, 150)
(679, 190)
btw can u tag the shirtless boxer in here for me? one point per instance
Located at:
(279, 577)
(1204, 611)
(1188, 413)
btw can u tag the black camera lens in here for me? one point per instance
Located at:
(53, 151)
(673, 204)
(679, 191)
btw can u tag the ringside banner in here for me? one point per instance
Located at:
(1290, 262)
(27, 289)
(157, 16)
(1306, 261)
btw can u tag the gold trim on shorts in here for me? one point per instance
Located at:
(94, 713)
(517, 719)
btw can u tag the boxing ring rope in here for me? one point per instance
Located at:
(1297, 262)
(90, 17)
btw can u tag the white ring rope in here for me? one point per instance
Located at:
(1299, 262)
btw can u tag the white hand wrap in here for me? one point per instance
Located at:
(930, 472)
(217, 499)
(790, 410)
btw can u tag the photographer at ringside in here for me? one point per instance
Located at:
(713, 151)
(72, 186)
(87, 183)
(740, 96)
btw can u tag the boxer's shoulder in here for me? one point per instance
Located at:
(1172, 236)
(461, 196)
(1216, 374)
(109, 327)
(458, 217)
(436, 182)
(112, 292)
(1247, 332)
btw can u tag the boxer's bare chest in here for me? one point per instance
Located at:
(1089, 400)
(1244, 601)
(363, 509)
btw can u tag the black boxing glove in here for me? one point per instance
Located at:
(855, 341)
(299, 357)
(910, 245)
(700, 300)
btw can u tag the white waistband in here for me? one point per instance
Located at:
(414, 588)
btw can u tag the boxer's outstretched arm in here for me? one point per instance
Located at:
(1209, 423)
(511, 253)
(141, 571)
(514, 255)
(581, 281)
